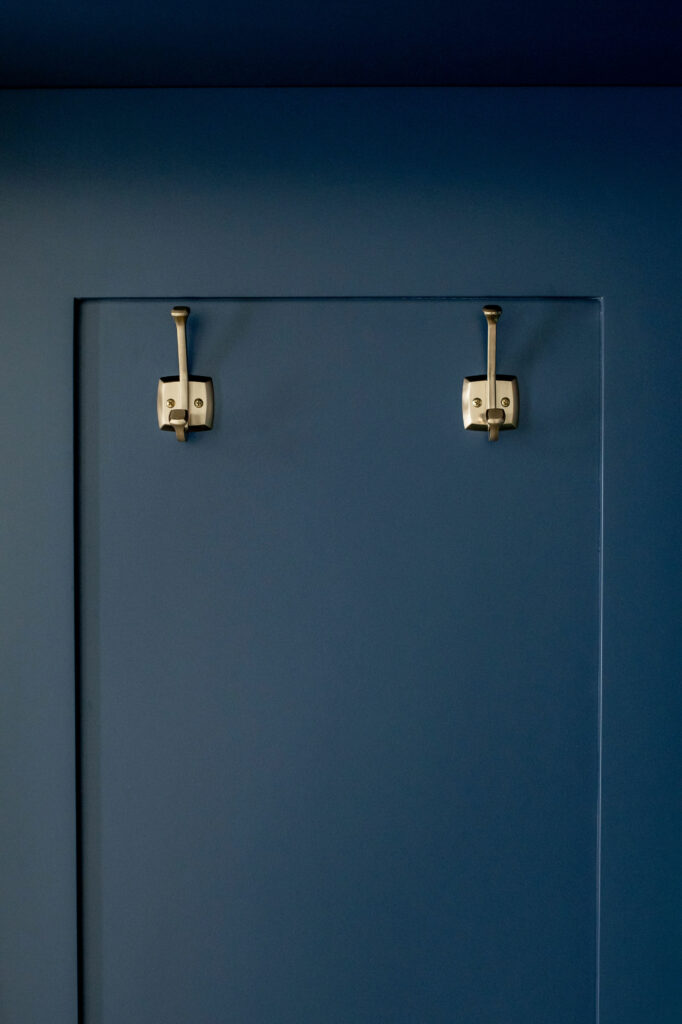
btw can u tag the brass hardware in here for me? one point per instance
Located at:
(494, 416)
(490, 388)
(184, 391)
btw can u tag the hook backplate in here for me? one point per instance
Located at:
(200, 402)
(474, 400)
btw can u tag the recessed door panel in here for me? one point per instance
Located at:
(339, 667)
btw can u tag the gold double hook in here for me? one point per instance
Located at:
(185, 402)
(491, 402)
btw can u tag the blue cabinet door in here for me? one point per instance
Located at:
(339, 667)
(340, 741)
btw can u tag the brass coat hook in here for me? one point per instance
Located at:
(184, 402)
(491, 402)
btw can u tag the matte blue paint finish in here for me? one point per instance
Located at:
(339, 42)
(352, 193)
(340, 666)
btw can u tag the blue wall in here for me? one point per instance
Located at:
(346, 192)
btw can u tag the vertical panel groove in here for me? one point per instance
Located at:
(80, 959)
(600, 682)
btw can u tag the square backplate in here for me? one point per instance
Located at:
(474, 390)
(200, 391)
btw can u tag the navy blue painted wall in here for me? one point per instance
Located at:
(343, 192)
